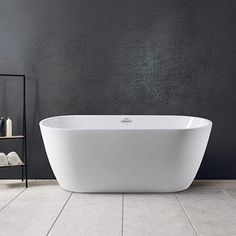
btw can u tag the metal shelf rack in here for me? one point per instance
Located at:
(24, 166)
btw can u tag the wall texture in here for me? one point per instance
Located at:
(123, 57)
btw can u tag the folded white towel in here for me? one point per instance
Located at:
(3, 159)
(13, 159)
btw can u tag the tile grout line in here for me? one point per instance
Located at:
(122, 215)
(8, 203)
(186, 214)
(59, 214)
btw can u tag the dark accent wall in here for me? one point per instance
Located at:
(124, 57)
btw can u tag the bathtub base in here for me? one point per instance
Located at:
(124, 190)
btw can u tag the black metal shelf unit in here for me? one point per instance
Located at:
(24, 173)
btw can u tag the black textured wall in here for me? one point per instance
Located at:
(124, 57)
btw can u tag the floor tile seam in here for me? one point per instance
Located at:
(186, 215)
(60, 212)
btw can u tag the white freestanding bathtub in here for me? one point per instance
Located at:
(125, 153)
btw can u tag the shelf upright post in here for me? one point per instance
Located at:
(24, 131)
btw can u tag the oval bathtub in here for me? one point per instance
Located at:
(133, 153)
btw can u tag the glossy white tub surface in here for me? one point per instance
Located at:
(125, 153)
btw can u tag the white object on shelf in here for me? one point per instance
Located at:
(3, 159)
(13, 159)
(8, 127)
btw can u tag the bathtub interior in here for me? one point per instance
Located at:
(103, 122)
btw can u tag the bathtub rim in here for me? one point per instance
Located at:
(41, 123)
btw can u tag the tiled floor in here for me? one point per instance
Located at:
(207, 208)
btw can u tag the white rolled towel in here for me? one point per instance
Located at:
(13, 159)
(3, 159)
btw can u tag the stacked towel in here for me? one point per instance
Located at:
(13, 159)
(3, 159)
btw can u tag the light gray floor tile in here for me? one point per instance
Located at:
(202, 183)
(231, 192)
(9, 189)
(211, 211)
(225, 183)
(211, 206)
(34, 211)
(90, 215)
(229, 186)
(154, 214)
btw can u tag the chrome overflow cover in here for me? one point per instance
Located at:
(126, 120)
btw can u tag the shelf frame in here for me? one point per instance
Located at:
(13, 137)
(24, 165)
(7, 166)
